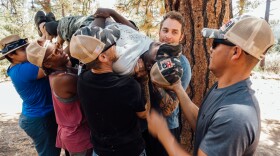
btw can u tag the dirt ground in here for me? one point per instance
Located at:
(14, 142)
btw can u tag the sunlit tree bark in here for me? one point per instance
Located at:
(266, 17)
(46, 5)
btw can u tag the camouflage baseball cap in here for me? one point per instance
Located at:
(88, 42)
(252, 34)
(108, 36)
(166, 71)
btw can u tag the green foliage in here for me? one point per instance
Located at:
(17, 17)
(4, 64)
(145, 13)
(245, 6)
(13, 17)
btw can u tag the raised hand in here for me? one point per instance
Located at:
(103, 13)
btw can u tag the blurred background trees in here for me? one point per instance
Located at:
(17, 17)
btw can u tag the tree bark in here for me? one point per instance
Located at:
(46, 5)
(266, 17)
(198, 14)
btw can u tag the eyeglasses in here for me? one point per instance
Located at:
(216, 42)
(10, 46)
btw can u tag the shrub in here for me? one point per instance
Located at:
(272, 63)
(4, 64)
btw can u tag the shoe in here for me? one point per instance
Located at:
(50, 17)
(38, 19)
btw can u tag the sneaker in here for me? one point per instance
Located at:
(50, 17)
(38, 19)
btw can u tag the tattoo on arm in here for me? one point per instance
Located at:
(168, 101)
(145, 91)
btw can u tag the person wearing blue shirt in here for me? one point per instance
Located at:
(37, 118)
(171, 32)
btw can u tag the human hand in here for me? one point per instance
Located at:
(156, 124)
(103, 12)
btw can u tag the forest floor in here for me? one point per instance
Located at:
(14, 142)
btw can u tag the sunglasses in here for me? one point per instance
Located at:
(217, 42)
(10, 46)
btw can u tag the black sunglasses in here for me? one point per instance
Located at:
(13, 45)
(216, 42)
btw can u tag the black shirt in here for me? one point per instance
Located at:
(110, 103)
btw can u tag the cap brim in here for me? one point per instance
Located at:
(157, 77)
(212, 33)
(3, 56)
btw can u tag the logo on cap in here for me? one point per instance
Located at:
(227, 26)
(166, 64)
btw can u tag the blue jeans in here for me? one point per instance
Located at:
(42, 131)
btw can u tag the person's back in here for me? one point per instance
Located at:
(111, 102)
(24, 78)
(73, 132)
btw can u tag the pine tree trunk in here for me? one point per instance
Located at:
(46, 5)
(198, 14)
(266, 17)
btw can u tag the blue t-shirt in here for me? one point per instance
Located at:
(229, 121)
(35, 93)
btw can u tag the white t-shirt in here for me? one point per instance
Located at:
(130, 46)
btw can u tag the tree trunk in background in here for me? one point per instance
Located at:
(266, 17)
(241, 7)
(198, 14)
(46, 5)
(62, 10)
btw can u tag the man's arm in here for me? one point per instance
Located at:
(168, 100)
(105, 13)
(158, 128)
(65, 85)
(189, 109)
(99, 21)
